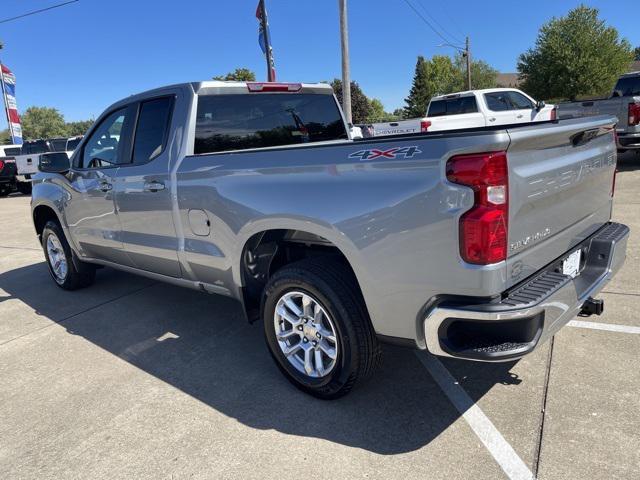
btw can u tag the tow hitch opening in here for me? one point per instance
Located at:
(592, 306)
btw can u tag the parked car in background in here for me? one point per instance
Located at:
(28, 160)
(472, 109)
(7, 175)
(8, 168)
(624, 103)
(65, 144)
(477, 245)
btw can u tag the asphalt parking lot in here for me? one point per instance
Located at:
(136, 379)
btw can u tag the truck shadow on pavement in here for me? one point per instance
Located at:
(201, 345)
(628, 161)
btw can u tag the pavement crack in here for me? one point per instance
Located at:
(22, 248)
(621, 293)
(69, 317)
(538, 451)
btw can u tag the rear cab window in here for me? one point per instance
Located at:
(256, 120)
(627, 86)
(452, 106)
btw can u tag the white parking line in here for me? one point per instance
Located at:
(498, 447)
(611, 327)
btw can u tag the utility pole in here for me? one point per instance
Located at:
(346, 73)
(467, 53)
(267, 42)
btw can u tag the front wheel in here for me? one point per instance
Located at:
(317, 327)
(58, 255)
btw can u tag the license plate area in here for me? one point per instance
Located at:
(571, 264)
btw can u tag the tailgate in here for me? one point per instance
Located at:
(560, 181)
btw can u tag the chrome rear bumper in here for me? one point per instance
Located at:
(531, 312)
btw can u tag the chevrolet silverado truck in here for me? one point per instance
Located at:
(477, 244)
(473, 108)
(624, 103)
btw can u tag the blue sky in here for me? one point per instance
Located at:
(82, 57)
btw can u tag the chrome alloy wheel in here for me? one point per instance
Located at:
(57, 258)
(306, 334)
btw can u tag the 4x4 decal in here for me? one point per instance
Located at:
(405, 152)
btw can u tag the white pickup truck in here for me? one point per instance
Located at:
(471, 109)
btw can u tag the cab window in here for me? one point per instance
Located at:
(102, 148)
(497, 101)
(519, 101)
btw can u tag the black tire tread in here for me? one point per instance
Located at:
(76, 279)
(339, 277)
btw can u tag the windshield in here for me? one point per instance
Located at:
(58, 144)
(73, 143)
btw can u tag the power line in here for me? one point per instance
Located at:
(442, 29)
(426, 21)
(38, 11)
(455, 24)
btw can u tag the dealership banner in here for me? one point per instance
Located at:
(8, 83)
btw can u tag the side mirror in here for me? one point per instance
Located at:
(54, 162)
(540, 104)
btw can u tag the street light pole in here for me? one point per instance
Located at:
(267, 42)
(346, 74)
(467, 52)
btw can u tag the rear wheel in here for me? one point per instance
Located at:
(4, 191)
(317, 327)
(59, 260)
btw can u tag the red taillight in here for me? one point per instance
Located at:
(484, 228)
(634, 114)
(424, 125)
(274, 87)
(613, 183)
(554, 114)
(1, 165)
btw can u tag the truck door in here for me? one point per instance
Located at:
(525, 109)
(499, 109)
(143, 193)
(90, 210)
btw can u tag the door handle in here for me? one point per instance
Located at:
(519, 116)
(105, 186)
(492, 119)
(154, 186)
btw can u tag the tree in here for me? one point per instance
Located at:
(42, 122)
(378, 113)
(574, 55)
(432, 77)
(420, 93)
(238, 75)
(5, 138)
(483, 75)
(360, 104)
(78, 128)
(636, 54)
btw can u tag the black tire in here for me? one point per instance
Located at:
(4, 192)
(333, 285)
(24, 188)
(74, 278)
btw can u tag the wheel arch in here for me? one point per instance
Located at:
(265, 249)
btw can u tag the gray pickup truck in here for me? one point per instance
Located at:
(624, 103)
(477, 244)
